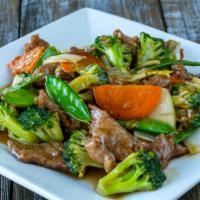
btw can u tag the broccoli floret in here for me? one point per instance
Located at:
(43, 123)
(76, 156)
(15, 129)
(139, 171)
(193, 119)
(91, 75)
(118, 53)
(186, 96)
(152, 51)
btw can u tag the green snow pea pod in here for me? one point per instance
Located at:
(152, 126)
(50, 51)
(181, 136)
(21, 97)
(25, 81)
(63, 95)
(174, 62)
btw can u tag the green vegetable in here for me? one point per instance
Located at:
(86, 96)
(173, 62)
(137, 75)
(44, 124)
(194, 119)
(91, 75)
(50, 51)
(153, 126)
(24, 81)
(118, 54)
(19, 78)
(76, 156)
(186, 96)
(152, 51)
(138, 172)
(62, 94)
(181, 136)
(21, 97)
(186, 99)
(15, 129)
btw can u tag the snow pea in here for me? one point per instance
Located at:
(63, 95)
(174, 62)
(151, 126)
(20, 98)
(181, 136)
(50, 51)
(22, 83)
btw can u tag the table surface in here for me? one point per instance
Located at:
(19, 17)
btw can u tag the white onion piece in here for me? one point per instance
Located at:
(165, 110)
(63, 58)
(193, 142)
(144, 136)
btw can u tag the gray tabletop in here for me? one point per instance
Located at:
(19, 17)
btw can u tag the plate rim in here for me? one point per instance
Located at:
(32, 186)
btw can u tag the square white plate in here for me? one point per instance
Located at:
(78, 29)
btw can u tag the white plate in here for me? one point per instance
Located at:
(78, 29)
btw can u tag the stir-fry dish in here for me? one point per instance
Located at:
(126, 105)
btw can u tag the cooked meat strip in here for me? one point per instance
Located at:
(100, 154)
(181, 54)
(182, 117)
(45, 69)
(132, 41)
(109, 138)
(79, 51)
(163, 146)
(44, 154)
(180, 150)
(44, 101)
(158, 81)
(180, 72)
(59, 73)
(36, 41)
(111, 134)
(140, 144)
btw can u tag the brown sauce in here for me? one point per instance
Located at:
(93, 176)
(3, 137)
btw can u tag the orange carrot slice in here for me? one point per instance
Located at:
(128, 102)
(90, 59)
(26, 62)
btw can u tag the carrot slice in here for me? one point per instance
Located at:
(68, 67)
(26, 62)
(90, 59)
(128, 102)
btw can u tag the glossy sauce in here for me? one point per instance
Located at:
(93, 176)
(3, 137)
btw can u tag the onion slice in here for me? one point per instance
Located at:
(165, 110)
(64, 58)
(193, 142)
(144, 136)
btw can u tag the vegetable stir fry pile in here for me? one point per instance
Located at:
(123, 104)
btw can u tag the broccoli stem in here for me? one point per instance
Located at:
(17, 131)
(86, 96)
(174, 62)
(137, 172)
(83, 82)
